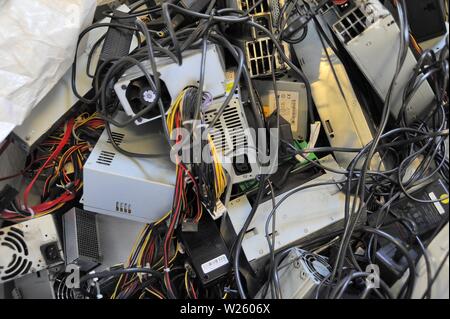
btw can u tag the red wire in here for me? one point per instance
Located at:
(193, 290)
(58, 150)
(339, 2)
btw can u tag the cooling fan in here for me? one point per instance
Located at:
(316, 267)
(62, 291)
(14, 254)
(135, 93)
(140, 96)
(28, 247)
(301, 273)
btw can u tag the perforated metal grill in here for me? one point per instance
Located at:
(14, 254)
(259, 54)
(248, 4)
(87, 236)
(351, 25)
(228, 133)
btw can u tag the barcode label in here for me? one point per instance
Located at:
(214, 264)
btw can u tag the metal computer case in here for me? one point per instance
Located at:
(372, 38)
(175, 78)
(140, 189)
(29, 247)
(81, 242)
(341, 114)
(301, 215)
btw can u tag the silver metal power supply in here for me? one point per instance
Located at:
(293, 103)
(371, 36)
(300, 274)
(140, 189)
(81, 243)
(175, 78)
(301, 215)
(29, 247)
(340, 112)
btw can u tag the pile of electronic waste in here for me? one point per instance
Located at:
(236, 149)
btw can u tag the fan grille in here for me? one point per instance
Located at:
(317, 266)
(13, 259)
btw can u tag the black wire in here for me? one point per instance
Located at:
(436, 275)
(240, 238)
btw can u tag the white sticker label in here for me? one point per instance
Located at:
(288, 106)
(214, 264)
(438, 205)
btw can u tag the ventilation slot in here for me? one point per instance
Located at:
(228, 134)
(87, 235)
(123, 208)
(259, 57)
(327, 6)
(117, 138)
(16, 257)
(62, 292)
(249, 4)
(106, 158)
(351, 25)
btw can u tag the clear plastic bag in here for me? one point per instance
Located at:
(37, 46)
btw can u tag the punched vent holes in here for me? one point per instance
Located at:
(228, 134)
(117, 138)
(14, 251)
(87, 235)
(263, 7)
(123, 208)
(351, 25)
(327, 6)
(105, 158)
(260, 56)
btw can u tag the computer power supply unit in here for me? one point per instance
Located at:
(135, 93)
(301, 215)
(372, 38)
(44, 285)
(81, 239)
(139, 189)
(301, 273)
(233, 139)
(29, 247)
(293, 103)
(261, 55)
(342, 116)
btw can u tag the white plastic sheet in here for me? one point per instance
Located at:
(37, 46)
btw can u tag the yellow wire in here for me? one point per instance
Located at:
(186, 282)
(154, 293)
(220, 179)
(133, 250)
